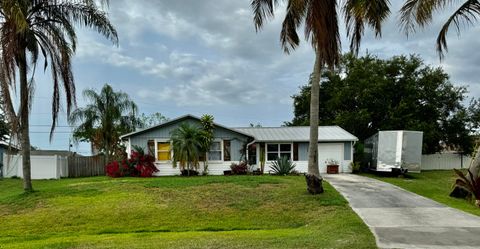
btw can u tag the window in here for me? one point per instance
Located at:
(275, 151)
(163, 151)
(215, 153)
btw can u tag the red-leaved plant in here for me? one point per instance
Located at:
(139, 165)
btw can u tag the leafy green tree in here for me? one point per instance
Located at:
(151, 120)
(42, 28)
(186, 145)
(206, 136)
(368, 94)
(107, 116)
(319, 18)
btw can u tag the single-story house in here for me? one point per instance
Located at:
(6, 148)
(237, 144)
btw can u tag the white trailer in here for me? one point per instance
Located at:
(395, 151)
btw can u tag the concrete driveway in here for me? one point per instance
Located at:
(401, 219)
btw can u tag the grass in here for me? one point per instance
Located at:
(435, 185)
(176, 212)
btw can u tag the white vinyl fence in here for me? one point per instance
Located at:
(43, 167)
(445, 161)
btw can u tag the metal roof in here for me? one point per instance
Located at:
(297, 134)
(188, 116)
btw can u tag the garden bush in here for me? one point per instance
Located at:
(139, 165)
(239, 169)
(282, 166)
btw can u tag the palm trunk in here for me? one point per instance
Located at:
(313, 178)
(24, 124)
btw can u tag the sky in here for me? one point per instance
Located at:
(197, 57)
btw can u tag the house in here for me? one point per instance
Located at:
(236, 144)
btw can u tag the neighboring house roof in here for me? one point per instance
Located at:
(53, 153)
(188, 116)
(297, 134)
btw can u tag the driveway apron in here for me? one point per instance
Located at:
(401, 219)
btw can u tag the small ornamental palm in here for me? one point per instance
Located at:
(186, 146)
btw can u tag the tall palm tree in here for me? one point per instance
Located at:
(187, 146)
(206, 136)
(108, 115)
(320, 21)
(420, 13)
(30, 29)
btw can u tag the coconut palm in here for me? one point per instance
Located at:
(33, 29)
(187, 146)
(107, 115)
(420, 13)
(319, 18)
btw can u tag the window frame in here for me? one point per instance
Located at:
(221, 151)
(156, 149)
(279, 152)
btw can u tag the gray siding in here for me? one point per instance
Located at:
(347, 151)
(302, 151)
(236, 140)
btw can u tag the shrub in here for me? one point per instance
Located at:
(239, 169)
(139, 165)
(117, 169)
(282, 166)
(355, 167)
(142, 165)
(189, 172)
(469, 184)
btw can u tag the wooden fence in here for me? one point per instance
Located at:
(86, 166)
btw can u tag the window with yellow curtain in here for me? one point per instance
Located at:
(163, 151)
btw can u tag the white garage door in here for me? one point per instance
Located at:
(329, 151)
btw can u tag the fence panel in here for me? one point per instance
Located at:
(86, 166)
(445, 161)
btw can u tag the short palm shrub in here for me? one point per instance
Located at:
(470, 184)
(282, 166)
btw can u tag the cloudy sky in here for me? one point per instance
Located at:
(190, 56)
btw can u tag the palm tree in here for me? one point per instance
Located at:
(320, 21)
(42, 28)
(187, 146)
(206, 136)
(108, 115)
(420, 13)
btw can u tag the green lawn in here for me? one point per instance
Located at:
(435, 185)
(176, 212)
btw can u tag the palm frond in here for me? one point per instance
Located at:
(359, 13)
(321, 28)
(262, 10)
(465, 15)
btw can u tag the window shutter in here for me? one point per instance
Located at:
(295, 151)
(226, 150)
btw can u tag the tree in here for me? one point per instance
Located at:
(206, 137)
(420, 13)
(320, 21)
(368, 94)
(107, 115)
(42, 28)
(151, 120)
(186, 146)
